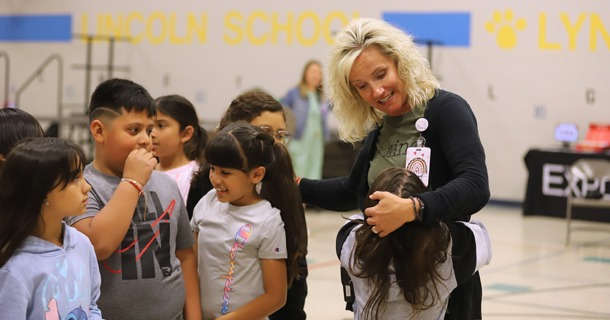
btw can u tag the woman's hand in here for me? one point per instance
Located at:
(390, 213)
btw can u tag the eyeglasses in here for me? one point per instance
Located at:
(281, 135)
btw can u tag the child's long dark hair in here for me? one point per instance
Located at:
(32, 169)
(243, 146)
(414, 250)
(16, 124)
(183, 111)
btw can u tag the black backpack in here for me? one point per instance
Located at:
(346, 281)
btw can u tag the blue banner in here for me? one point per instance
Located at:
(445, 29)
(36, 28)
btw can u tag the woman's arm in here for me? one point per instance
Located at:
(192, 307)
(462, 188)
(339, 194)
(336, 194)
(274, 281)
(460, 184)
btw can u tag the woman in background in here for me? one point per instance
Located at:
(310, 108)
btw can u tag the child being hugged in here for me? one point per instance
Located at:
(426, 261)
(136, 219)
(241, 242)
(178, 140)
(48, 270)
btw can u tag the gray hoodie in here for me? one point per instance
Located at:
(44, 281)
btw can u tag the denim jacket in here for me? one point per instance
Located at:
(300, 109)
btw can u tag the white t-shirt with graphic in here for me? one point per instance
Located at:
(232, 241)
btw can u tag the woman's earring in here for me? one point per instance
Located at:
(46, 202)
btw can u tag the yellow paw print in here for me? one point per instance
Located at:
(505, 28)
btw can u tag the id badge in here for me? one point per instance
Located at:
(418, 162)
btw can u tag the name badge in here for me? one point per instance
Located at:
(418, 162)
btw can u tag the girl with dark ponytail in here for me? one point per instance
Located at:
(249, 226)
(262, 110)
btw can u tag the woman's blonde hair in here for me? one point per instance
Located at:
(356, 116)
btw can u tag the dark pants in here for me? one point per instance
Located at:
(465, 300)
(294, 309)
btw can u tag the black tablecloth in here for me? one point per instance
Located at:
(547, 183)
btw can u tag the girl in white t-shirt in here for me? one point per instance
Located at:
(239, 225)
(178, 140)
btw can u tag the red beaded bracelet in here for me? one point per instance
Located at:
(135, 184)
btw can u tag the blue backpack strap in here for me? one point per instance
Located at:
(346, 281)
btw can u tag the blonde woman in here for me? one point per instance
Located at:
(380, 86)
